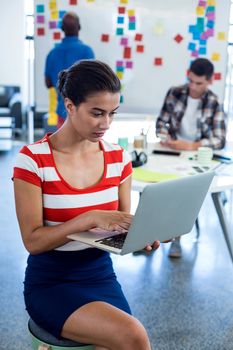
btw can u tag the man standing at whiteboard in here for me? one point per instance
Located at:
(70, 50)
(191, 117)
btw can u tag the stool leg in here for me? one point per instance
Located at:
(197, 229)
(44, 347)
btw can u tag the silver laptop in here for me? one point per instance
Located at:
(165, 210)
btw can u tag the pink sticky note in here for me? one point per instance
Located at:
(124, 41)
(195, 54)
(119, 63)
(39, 19)
(129, 64)
(210, 16)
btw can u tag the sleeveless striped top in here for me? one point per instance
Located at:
(61, 202)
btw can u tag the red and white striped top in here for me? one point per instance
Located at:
(61, 202)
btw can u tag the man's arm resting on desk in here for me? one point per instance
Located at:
(182, 144)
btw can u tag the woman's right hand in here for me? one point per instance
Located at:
(112, 220)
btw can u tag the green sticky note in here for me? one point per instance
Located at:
(141, 174)
(119, 31)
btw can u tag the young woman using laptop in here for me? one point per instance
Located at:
(68, 182)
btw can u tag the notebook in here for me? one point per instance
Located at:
(165, 210)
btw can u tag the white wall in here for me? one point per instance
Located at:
(12, 66)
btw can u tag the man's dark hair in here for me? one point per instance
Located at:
(71, 24)
(85, 78)
(202, 67)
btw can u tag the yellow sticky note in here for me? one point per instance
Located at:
(131, 13)
(211, 2)
(90, 0)
(52, 119)
(52, 100)
(54, 15)
(141, 174)
(200, 11)
(123, 1)
(158, 28)
(215, 56)
(53, 5)
(221, 36)
(120, 75)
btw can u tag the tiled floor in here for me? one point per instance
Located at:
(185, 304)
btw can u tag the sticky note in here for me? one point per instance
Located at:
(73, 2)
(53, 5)
(158, 61)
(200, 23)
(217, 76)
(123, 1)
(211, 2)
(195, 53)
(138, 37)
(202, 3)
(210, 9)
(178, 38)
(132, 26)
(215, 56)
(210, 16)
(119, 31)
(210, 24)
(140, 48)
(39, 8)
(120, 19)
(105, 38)
(39, 19)
(54, 15)
(200, 11)
(120, 75)
(221, 36)
(52, 24)
(192, 47)
(129, 64)
(132, 19)
(131, 13)
(62, 14)
(57, 36)
(124, 41)
(121, 99)
(119, 63)
(120, 69)
(121, 10)
(202, 50)
(158, 28)
(127, 52)
(40, 31)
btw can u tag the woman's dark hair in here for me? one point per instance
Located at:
(202, 67)
(85, 78)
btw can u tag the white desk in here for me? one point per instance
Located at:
(183, 166)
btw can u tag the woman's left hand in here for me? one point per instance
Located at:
(153, 246)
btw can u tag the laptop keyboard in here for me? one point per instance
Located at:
(116, 241)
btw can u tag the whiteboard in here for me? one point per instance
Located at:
(159, 22)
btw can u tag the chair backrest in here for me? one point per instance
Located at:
(6, 93)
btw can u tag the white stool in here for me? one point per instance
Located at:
(42, 340)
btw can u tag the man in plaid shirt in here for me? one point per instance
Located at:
(191, 117)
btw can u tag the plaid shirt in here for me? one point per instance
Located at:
(211, 129)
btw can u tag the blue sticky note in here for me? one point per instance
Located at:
(202, 42)
(120, 19)
(39, 8)
(62, 14)
(192, 47)
(196, 36)
(210, 24)
(202, 50)
(59, 24)
(132, 26)
(192, 29)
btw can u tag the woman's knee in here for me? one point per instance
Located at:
(134, 336)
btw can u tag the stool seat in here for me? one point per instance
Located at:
(40, 336)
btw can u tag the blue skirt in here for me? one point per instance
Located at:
(57, 283)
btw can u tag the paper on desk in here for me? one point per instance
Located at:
(151, 176)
